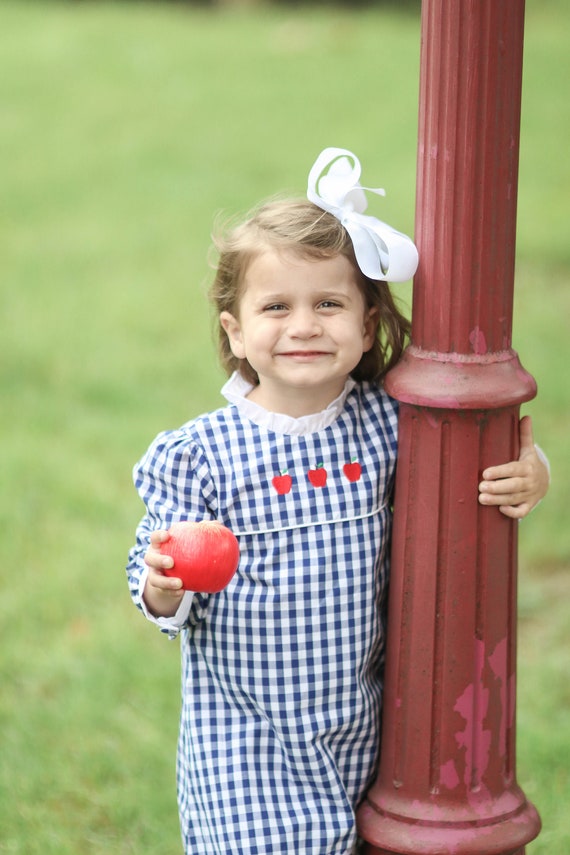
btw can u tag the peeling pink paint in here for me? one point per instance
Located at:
(432, 420)
(498, 661)
(478, 341)
(445, 402)
(472, 706)
(427, 813)
(448, 775)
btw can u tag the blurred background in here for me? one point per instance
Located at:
(125, 129)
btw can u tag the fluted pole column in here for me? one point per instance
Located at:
(447, 778)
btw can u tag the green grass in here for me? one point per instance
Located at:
(124, 128)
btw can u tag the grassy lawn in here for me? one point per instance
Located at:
(125, 127)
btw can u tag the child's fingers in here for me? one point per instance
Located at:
(154, 557)
(498, 473)
(526, 436)
(157, 537)
(167, 584)
(501, 499)
(511, 496)
(515, 512)
(512, 505)
(505, 487)
(158, 561)
(164, 583)
(515, 487)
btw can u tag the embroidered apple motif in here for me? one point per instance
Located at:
(205, 555)
(282, 482)
(352, 470)
(318, 476)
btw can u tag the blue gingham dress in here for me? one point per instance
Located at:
(282, 670)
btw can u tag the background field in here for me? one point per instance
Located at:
(124, 128)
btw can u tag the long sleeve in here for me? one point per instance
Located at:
(173, 481)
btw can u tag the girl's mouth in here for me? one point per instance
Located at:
(304, 355)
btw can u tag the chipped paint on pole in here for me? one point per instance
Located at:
(447, 780)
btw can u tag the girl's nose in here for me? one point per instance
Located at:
(304, 323)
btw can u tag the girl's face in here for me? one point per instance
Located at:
(303, 326)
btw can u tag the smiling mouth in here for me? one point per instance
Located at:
(304, 355)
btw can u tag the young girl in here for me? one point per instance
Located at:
(282, 670)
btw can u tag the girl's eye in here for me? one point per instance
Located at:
(275, 307)
(329, 304)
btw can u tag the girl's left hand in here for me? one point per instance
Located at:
(518, 486)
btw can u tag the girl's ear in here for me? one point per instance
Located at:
(232, 328)
(370, 331)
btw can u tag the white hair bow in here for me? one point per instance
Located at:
(381, 251)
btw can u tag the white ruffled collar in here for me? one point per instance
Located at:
(237, 389)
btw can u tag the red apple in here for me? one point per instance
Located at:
(205, 554)
(282, 482)
(352, 470)
(318, 476)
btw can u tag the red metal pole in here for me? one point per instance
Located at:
(447, 779)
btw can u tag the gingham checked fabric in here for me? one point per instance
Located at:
(282, 670)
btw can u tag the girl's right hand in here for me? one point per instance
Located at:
(162, 594)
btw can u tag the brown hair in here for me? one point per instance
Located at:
(300, 226)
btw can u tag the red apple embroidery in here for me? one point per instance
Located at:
(352, 470)
(318, 476)
(282, 482)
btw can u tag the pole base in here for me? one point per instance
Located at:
(392, 835)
